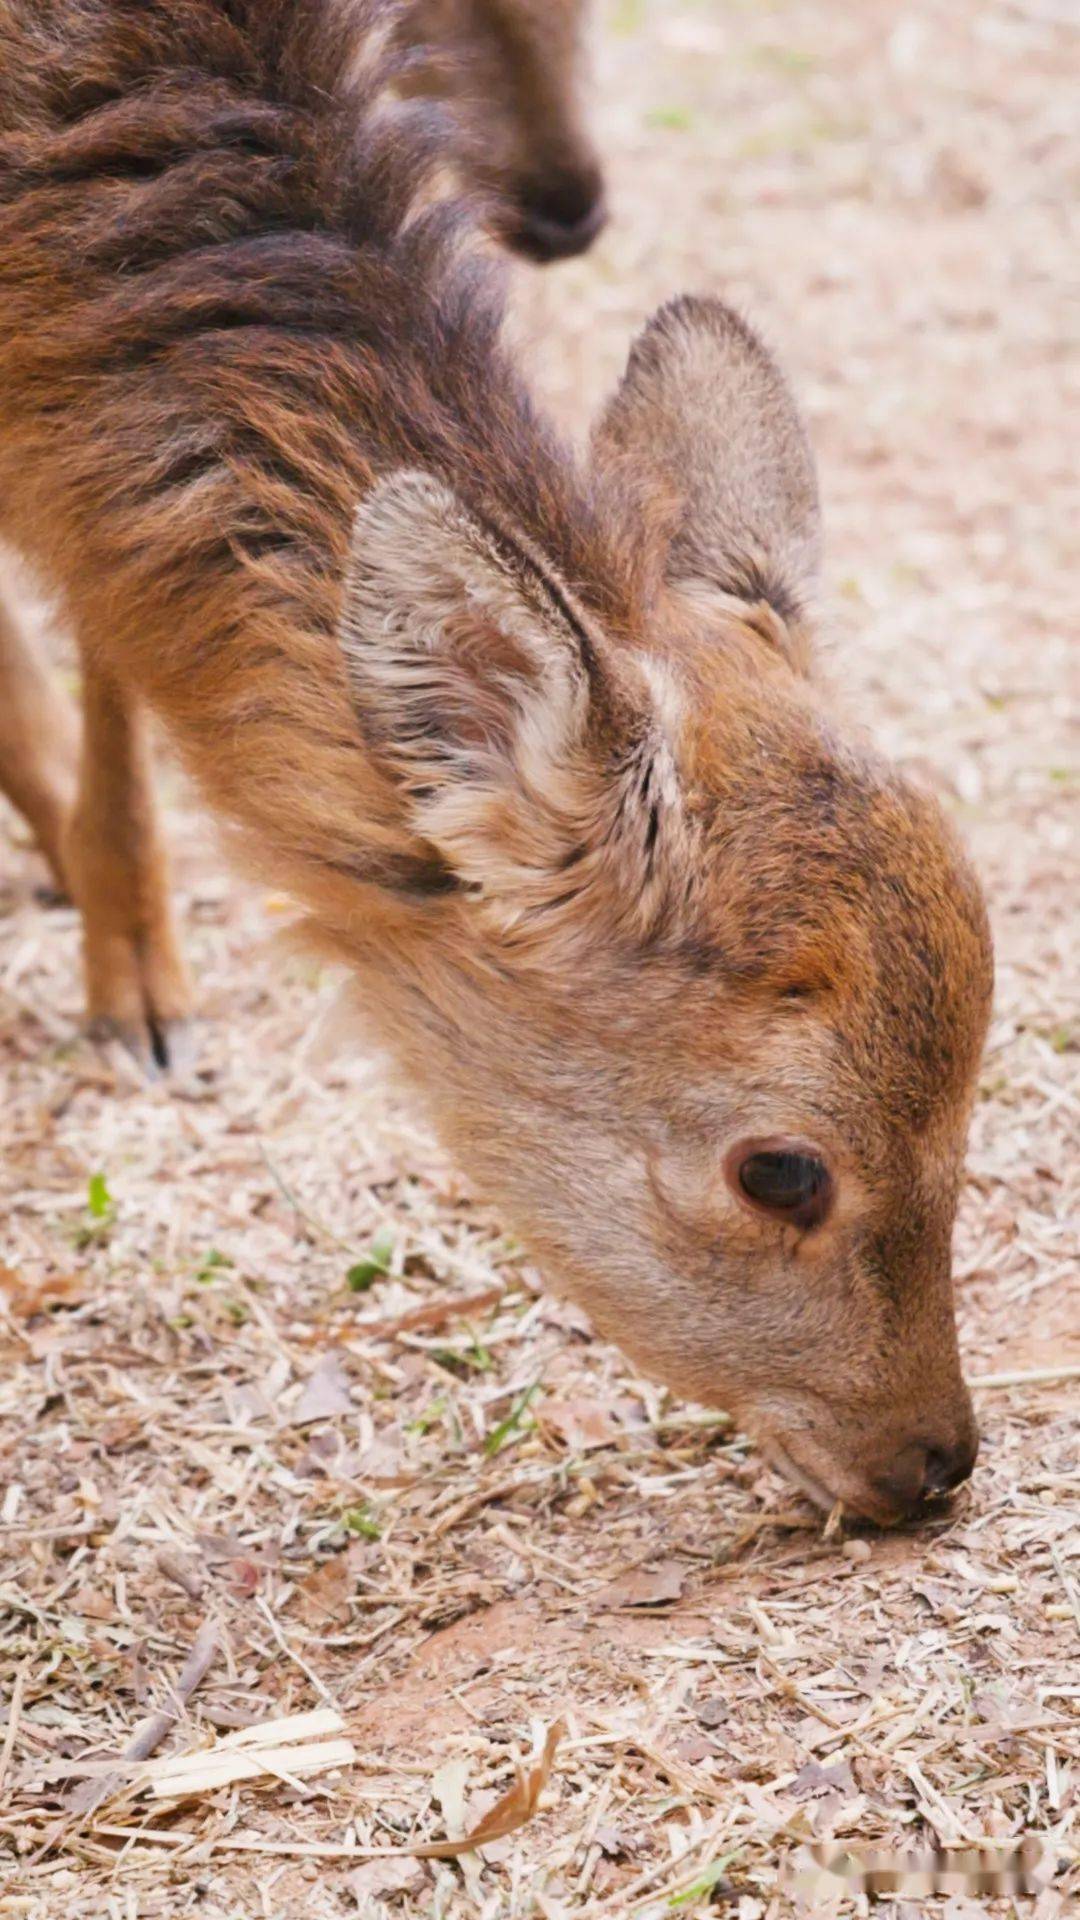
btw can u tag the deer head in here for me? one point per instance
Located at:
(702, 999)
(515, 69)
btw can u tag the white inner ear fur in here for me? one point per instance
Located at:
(469, 675)
(430, 593)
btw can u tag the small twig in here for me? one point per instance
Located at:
(485, 1496)
(1039, 1376)
(250, 1843)
(309, 1219)
(292, 1654)
(14, 1716)
(90, 1793)
(619, 1901)
(1071, 1594)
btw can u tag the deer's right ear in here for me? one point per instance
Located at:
(705, 434)
(470, 671)
(546, 779)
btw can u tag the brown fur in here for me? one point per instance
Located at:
(538, 750)
(515, 68)
(37, 744)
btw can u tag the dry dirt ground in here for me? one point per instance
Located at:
(457, 1523)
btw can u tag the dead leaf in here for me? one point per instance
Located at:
(713, 1713)
(383, 1876)
(323, 1599)
(326, 1393)
(25, 1297)
(244, 1578)
(383, 1464)
(580, 1424)
(88, 1603)
(813, 1779)
(436, 1313)
(693, 1748)
(516, 1806)
(182, 1572)
(644, 1587)
(611, 1842)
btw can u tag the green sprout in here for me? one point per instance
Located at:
(374, 1266)
(99, 1200)
(512, 1426)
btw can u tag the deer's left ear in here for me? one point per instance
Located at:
(706, 434)
(491, 699)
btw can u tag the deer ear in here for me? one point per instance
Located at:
(541, 770)
(705, 432)
(470, 671)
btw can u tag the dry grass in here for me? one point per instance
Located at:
(454, 1523)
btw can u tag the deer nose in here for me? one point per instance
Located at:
(559, 215)
(925, 1469)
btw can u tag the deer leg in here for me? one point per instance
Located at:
(136, 980)
(38, 744)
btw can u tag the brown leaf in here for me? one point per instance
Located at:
(644, 1587)
(244, 1578)
(513, 1810)
(28, 1297)
(580, 1424)
(436, 1313)
(182, 1571)
(90, 1604)
(326, 1393)
(323, 1599)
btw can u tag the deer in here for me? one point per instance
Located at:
(510, 74)
(690, 980)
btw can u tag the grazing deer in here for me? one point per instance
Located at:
(693, 983)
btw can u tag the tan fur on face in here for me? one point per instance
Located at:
(536, 750)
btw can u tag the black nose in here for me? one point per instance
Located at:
(924, 1470)
(559, 215)
(949, 1467)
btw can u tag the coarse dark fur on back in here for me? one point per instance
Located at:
(693, 983)
(221, 174)
(241, 306)
(231, 219)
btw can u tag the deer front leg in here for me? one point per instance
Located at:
(38, 744)
(136, 980)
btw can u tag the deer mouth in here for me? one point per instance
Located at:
(855, 1496)
(801, 1477)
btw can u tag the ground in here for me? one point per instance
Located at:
(459, 1524)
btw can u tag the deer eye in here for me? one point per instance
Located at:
(786, 1182)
